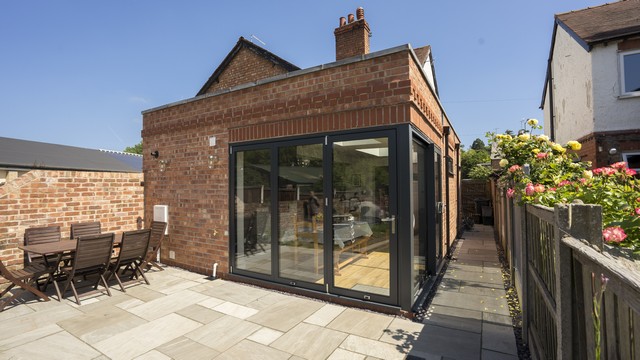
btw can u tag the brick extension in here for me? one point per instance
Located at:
(368, 91)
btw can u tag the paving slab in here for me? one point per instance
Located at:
(369, 347)
(183, 348)
(454, 318)
(362, 323)
(310, 341)
(325, 315)
(499, 338)
(286, 314)
(223, 333)
(60, 345)
(141, 339)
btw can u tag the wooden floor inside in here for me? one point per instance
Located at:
(367, 274)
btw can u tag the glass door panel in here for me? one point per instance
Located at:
(439, 206)
(300, 212)
(253, 211)
(419, 215)
(362, 221)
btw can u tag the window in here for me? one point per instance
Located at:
(632, 160)
(630, 72)
(450, 166)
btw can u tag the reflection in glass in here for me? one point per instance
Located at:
(631, 72)
(301, 206)
(419, 216)
(253, 212)
(361, 217)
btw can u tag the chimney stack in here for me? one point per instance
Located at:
(352, 36)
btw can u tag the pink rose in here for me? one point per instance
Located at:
(619, 165)
(630, 172)
(529, 190)
(511, 192)
(539, 188)
(614, 234)
(604, 171)
(541, 155)
(564, 183)
(637, 211)
(514, 168)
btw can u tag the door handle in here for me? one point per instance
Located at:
(392, 220)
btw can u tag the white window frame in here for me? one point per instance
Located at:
(621, 56)
(625, 158)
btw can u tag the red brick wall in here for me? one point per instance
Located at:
(352, 39)
(246, 67)
(622, 141)
(367, 93)
(428, 117)
(44, 197)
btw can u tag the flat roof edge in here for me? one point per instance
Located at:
(301, 72)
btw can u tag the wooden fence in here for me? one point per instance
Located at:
(562, 271)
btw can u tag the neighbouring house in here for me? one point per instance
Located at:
(269, 163)
(44, 184)
(592, 87)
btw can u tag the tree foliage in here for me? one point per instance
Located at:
(469, 159)
(480, 172)
(135, 149)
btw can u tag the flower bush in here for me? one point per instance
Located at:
(536, 170)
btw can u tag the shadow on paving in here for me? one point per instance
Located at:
(466, 316)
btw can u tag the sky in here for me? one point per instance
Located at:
(79, 73)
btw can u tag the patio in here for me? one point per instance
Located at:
(183, 315)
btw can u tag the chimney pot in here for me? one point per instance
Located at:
(352, 37)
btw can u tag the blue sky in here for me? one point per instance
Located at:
(80, 72)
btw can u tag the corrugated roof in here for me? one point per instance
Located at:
(604, 22)
(25, 154)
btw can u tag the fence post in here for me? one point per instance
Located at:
(581, 222)
(563, 259)
(524, 271)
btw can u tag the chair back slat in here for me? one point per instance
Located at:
(93, 252)
(158, 229)
(40, 235)
(84, 229)
(134, 245)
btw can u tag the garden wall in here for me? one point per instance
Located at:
(49, 197)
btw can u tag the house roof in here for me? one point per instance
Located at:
(602, 23)
(424, 55)
(246, 44)
(595, 25)
(16, 154)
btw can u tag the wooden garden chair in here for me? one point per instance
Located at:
(92, 256)
(133, 250)
(25, 279)
(41, 235)
(84, 229)
(158, 228)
